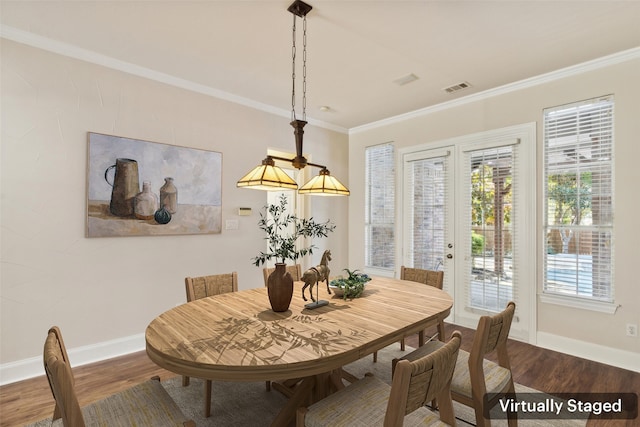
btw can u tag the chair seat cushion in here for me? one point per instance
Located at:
(496, 377)
(146, 404)
(362, 404)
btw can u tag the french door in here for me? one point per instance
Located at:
(468, 209)
(428, 234)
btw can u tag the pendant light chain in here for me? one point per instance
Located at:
(293, 72)
(304, 70)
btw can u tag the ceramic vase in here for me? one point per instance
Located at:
(169, 196)
(162, 216)
(125, 186)
(280, 288)
(145, 203)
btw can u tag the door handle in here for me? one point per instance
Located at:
(449, 256)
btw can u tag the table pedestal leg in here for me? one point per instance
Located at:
(307, 391)
(300, 397)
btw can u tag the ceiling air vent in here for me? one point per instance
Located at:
(457, 87)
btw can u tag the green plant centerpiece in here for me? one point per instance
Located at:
(282, 233)
(351, 286)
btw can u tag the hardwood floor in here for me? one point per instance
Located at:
(545, 370)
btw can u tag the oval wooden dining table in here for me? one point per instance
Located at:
(237, 337)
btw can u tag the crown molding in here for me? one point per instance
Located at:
(605, 61)
(71, 51)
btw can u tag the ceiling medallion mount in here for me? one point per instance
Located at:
(299, 8)
(268, 176)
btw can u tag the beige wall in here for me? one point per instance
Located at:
(103, 289)
(107, 289)
(525, 106)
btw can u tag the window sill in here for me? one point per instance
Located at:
(583, 303)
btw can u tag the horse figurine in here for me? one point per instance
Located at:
(314, 275)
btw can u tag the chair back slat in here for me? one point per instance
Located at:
(420, 385)
(418, 382)
(205, 286)
(428, 277)
(496, 328)
(61, 381)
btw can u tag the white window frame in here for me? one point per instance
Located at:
(548, 294)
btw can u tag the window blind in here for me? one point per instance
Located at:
(491, 185)
(578, 196)
(380, 207)
(427, 195)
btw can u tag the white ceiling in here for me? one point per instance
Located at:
(356, 49)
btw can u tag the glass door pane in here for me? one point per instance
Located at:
(491, 227)
(428, 208)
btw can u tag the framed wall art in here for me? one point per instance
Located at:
(142, 188)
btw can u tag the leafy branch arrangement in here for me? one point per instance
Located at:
(283, 230)
(353, 285)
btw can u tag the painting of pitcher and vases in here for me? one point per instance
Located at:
(142, 188)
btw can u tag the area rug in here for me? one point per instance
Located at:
(250, 405)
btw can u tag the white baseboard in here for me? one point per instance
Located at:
(29, 368)
(586, 350)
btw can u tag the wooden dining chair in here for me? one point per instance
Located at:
(146, 404)
(202, 287)
(372, 402)
(475, 375)
(431, 278)
(295, 270)
(206, 286)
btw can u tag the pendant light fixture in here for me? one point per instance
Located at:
(268, 176)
